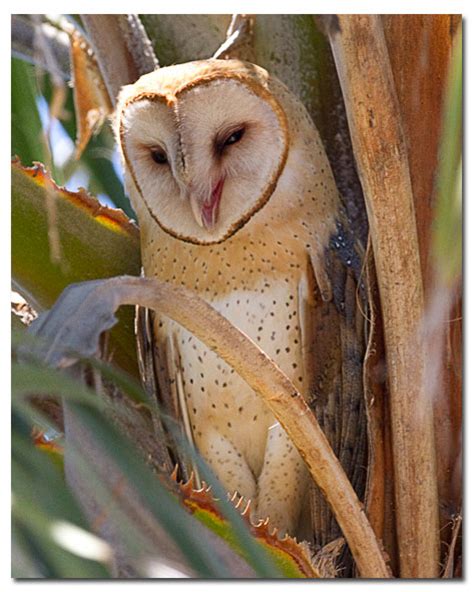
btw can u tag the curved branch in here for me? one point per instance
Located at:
(84, 310)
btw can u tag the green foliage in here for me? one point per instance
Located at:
(41, 503)
(447, 234)
(27, 133)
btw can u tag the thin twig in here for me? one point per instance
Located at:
(448, 571)
(239, 31)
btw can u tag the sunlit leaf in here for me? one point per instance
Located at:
(293, 559)
(95, 242)
(91, 99)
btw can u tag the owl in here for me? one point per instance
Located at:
(236, 201)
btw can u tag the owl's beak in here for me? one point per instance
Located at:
(206, 208)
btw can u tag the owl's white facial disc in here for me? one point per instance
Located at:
(207, 161)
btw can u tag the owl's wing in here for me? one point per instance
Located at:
(160, 371)
(333, 334)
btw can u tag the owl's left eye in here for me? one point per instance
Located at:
(234, 137)
(159, 155)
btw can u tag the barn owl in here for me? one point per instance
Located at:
(235, 200)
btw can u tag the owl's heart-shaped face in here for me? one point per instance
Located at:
(204, 144)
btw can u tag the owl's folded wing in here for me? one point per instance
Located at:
(334, 347)
(159, 372)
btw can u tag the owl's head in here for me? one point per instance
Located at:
(203, 144)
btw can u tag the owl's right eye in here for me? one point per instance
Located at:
(159, 155)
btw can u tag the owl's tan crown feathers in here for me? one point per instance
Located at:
(168, 82)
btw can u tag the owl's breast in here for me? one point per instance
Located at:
(215, 394)
(259, 295)
(270, 317)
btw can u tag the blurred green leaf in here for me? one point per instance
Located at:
(98, 158)
(27, 133)
(160, 502)
(46, 482)
(27, 560)
(95, 242)
(30, 378)
(447, 231)
(41, 502)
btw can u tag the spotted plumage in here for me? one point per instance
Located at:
(236, 201)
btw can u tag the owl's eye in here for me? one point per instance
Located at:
(159, 156)
(221, 143)
(234, 137)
